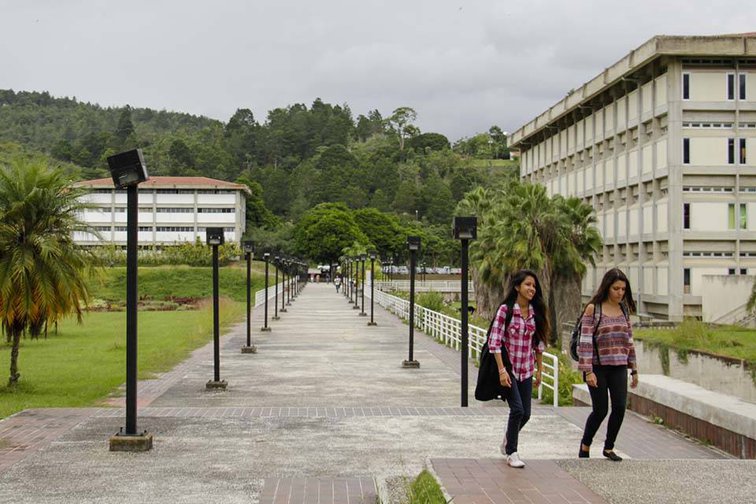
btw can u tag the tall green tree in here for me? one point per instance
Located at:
(325, 230)
(401, 122)
(42, 271)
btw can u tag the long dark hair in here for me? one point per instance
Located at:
(602, 294)
(543, 328)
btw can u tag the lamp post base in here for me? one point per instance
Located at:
(265, 329)
(216, 385)
(275, 318)
(282, 310)
(410, 364)
(363, 314)
(372, 323)
(249, 349)
(131, 442)
(355, 307)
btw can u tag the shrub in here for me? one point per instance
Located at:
(190, 254)
(433, 301)
(567, 378)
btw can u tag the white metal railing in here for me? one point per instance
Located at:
(260, 295)
(448, 331)
(431, 285)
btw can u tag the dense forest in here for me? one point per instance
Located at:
(297, 158)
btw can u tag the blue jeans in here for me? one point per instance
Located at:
(519, 411)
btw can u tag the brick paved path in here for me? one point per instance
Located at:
(318, 491)
(322, 411)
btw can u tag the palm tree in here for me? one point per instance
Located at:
(570, 262)
(520, 226)
(41, 269)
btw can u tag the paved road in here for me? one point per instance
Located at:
(325, 413)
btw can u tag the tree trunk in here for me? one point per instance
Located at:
(567, 301)
(14, 374)
(487, 298)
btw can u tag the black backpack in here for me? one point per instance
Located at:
(575, 336)
(488, 386)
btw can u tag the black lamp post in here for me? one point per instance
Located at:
(128, 171)
(275, 287)
(266, 258)
(288, 281)
(372, 287)
(465, 229)
(215, 239)
(248, 246)
(356, 260)
(363, 257)
(413, 244)
(282, 264)
(351, 278)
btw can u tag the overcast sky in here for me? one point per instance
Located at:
(463, 65)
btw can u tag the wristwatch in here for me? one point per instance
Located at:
(633, 372)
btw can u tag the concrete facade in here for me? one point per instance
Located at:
(663, 145)
(171, 210)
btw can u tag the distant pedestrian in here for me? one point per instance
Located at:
(337, 283)
(606, 352)
(523, 340)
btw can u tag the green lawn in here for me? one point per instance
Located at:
(735, 342)
(84, 363)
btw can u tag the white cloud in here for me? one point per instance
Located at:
(463, 65)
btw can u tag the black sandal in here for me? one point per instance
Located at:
(611, 455)
(584, 453)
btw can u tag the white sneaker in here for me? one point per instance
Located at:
(513, 460)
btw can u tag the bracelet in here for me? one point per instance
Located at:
(502, 371)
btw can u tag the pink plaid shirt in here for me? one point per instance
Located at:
(518, 340)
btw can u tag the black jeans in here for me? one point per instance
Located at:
(519, 411)
(611, 380)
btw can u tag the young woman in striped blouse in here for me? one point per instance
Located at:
(605, 358)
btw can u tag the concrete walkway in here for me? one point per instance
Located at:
(325, 413)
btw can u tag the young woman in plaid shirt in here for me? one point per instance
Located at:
(606, 352)
(523, 342)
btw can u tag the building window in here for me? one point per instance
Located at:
(145, 228)
(730, 86)
(743, 271)
(742, 151)
(742, 220)
(686, 86)
(686, 280)
(730, 271)
(742, 86)
(686, 150)
(686, 215)
(730, 151)
(215, 210)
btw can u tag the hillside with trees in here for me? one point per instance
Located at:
(295, 159)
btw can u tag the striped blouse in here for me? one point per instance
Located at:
(614, 340)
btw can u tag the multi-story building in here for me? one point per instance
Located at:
(171, 210)
(663, 145)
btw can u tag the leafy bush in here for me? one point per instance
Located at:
(431, 300)
(567, 378)
(190, 254)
